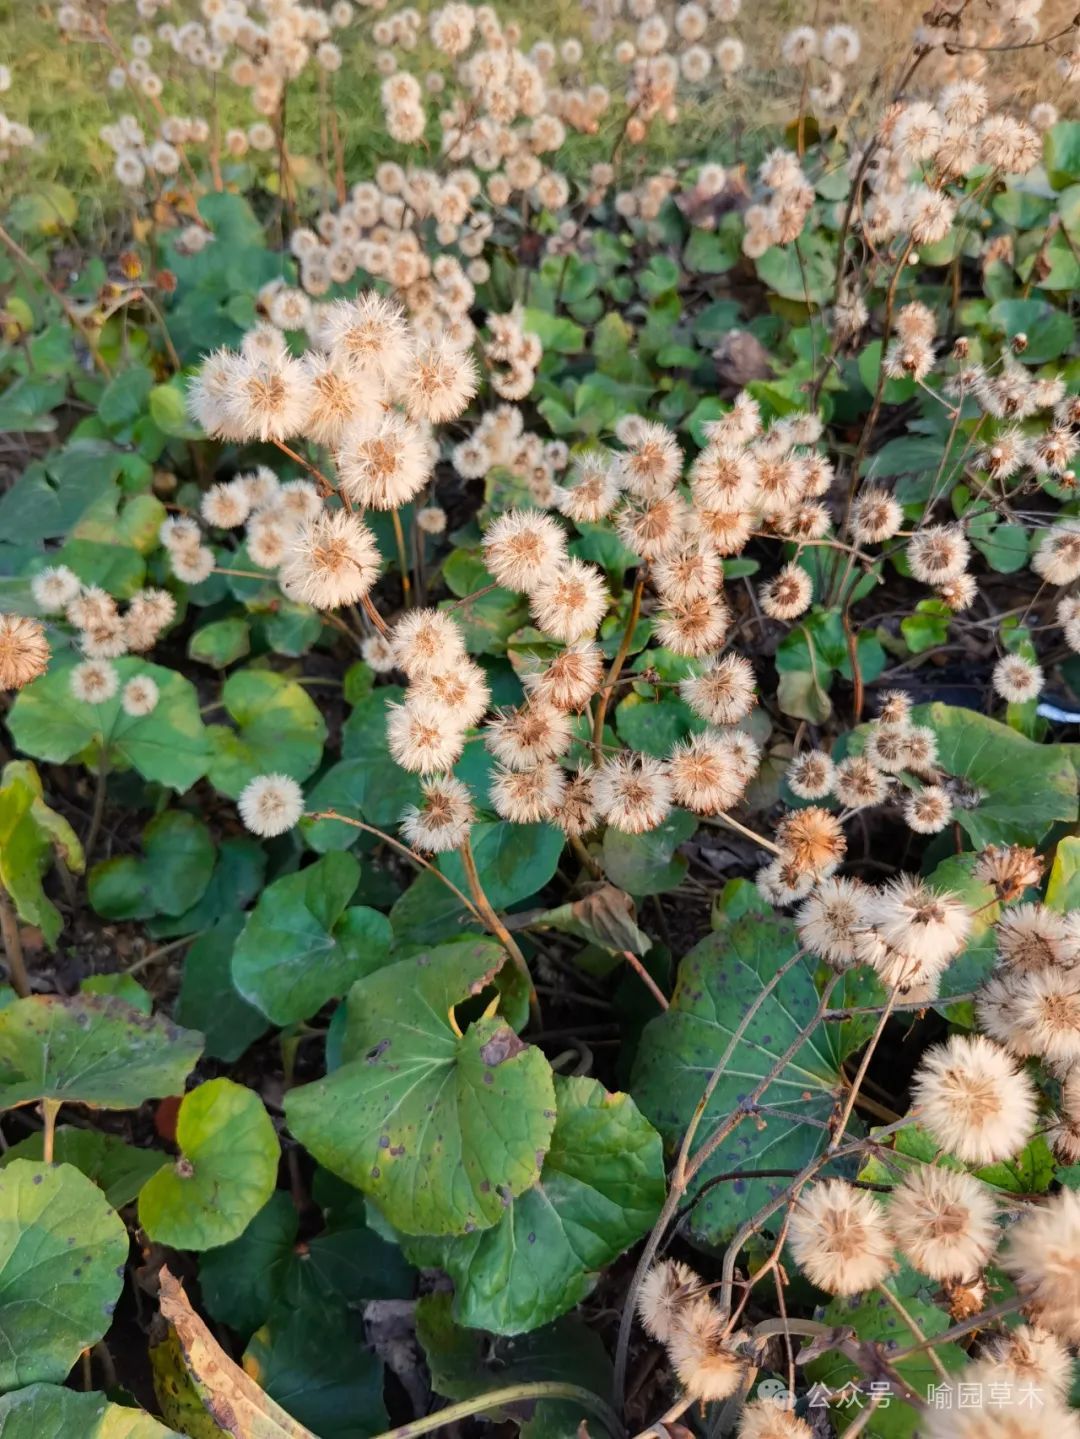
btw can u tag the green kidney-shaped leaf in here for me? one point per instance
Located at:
(62, 1256)
(314, 1361)
(208, 999)
(301, 946)
(875, 1321)
(1020, 787)
(91, 1050)
(170, 879)
(600, 1190)
(118, 1169)
(718, 980)
(279, 730)
(468, 1362)
(441, 1129)
(647, 863)
(514, 861)
(45, 1411)
(225, 1174)
(168, 746)
(243, 1282)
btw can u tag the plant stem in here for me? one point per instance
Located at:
(50, 1108)
(403, 561)
(315, 473)
(977, 1321)
(758, 839)
(374, 616)
(646, 978)
(403, 849)
(65, 304)
(511, 1394)
(9, 932)
(617, 664)
(99, 807)
(152, 956)
(887, 1294)
(680, 1175)
(496, 926)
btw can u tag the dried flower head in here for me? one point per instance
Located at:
(707, 1367)
(931, 925)
(1043, 1256)
(94, 681)
(944, 1222)
(331, 561)
(270, 804)
(523, 549)
(706, 775)
(810, 775)
(443, 820)
(1032, 1357)
(422, 736)
(528, 796)
(633, 792)
(928, 810)
(811, 840)
(839, 1238)
(1017, 679)
(832, 920)
(426, 640)
(971, 1098)
(139, 696)
(666, 1289)
(764, 1418)
(54, 588)
(569, 603)
(724, 693)
(1010, 869)
(24, 651)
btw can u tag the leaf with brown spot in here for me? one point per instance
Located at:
(436, 1125)
(605, 916)
(232, 1399)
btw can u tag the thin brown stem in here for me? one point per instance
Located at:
(13, 950)
(374, 616)
(887, 1294)
(496, 926)
(403, 560)
(50, 1108)
(100, 790)
(65, 304)
(646, 978)
(402, 849)
(499, 1398)
(617, 664)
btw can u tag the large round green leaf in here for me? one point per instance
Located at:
(514, 862)
(314, 1361)
(168, 746)
(117, 1168)
(31, 836)
(467, 1362)
(90, 1050)
(171, 878)
(225, 1174)
(243, 1282)
(441, 1129)
(208, 999)
(279, 730)
(1021, 787)
(301, 946)
(62, 1256)
(718, 981)
(599, 1191)
(45, 1411)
